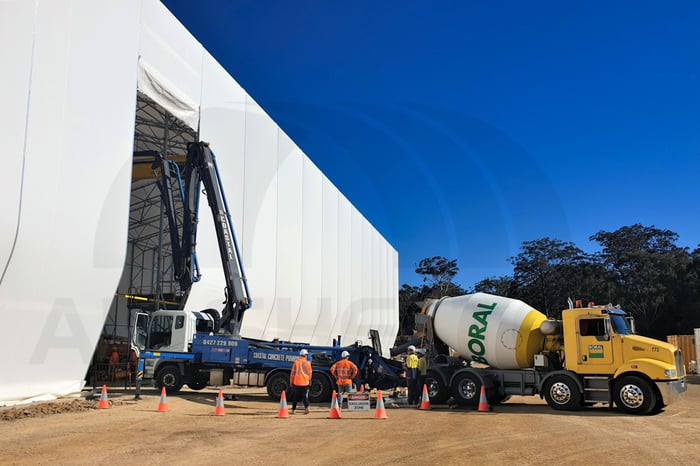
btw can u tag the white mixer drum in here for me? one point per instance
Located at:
(501, 332)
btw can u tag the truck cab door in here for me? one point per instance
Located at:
(170, 331)
(139, 333)
(595, 345)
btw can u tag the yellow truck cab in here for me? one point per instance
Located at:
(640, 374)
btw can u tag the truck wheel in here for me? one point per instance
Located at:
(198, 382)
(276, 384)
(634, 395)
(562, 393)
(170, 378)
(320, 389)
(437, 390)
(466, 389)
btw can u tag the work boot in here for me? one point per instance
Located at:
(306, 410)
(293, 410)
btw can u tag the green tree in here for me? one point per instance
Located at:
(409, 297)
(647, 268)
(438, 274)
(500, 286)
(549, 271)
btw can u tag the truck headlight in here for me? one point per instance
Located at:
(670, 373)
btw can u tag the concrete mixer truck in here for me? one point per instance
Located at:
(589, 356)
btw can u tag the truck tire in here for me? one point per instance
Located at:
(466, 388)
(562, 393)
(635, 395)
(198, 382)
(276, 384)
(170, 378)
(437, 390)
(320, 390)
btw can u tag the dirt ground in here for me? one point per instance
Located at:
(522, 431)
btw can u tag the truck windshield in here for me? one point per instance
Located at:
(620, 324)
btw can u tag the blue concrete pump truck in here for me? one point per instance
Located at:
(182, 347)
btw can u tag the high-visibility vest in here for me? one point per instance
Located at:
(412, 361)
(301, 372)
(344, 371)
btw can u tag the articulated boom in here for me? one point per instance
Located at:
(200, 168)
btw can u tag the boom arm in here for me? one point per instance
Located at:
(200, 168)
(185, 265)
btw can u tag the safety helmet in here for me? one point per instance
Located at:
(344, 354)
(303, 352)
(411, 348)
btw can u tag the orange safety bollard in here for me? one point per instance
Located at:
(335, 411)
(284, 411)
(163, 405)
(483, 403)
(219, 409)
(104, 402)
(380, 412)
(425, 401)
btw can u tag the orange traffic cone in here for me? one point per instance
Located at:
(362, 388)
(425, 401)
(219, 409)
(163, 405)
(380, 412)
(483, 404)
(335, 411)
(104, 402)
(284, 411)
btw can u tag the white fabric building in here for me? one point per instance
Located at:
(80, 77)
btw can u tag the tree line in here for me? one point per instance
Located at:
(641, 268)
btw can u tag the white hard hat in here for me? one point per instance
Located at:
(411, 348)
(344, 354)
(303, 352)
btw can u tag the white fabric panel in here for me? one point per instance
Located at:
(341, 318)
(222, 123)
(286, 306)
(75, 195)
(329, 265)
(170, 64)
(16, 28)
(357, 269)
(312, 222)
(377, 258)
(368, 313)
(389, 305)
(393, 294)
(390, 296)
(259, 232)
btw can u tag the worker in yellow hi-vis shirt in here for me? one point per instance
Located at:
(412, 376)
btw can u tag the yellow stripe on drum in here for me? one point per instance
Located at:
(532, 338)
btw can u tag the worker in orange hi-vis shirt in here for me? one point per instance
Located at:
(344, 371)
(300, 379)
(113, 361)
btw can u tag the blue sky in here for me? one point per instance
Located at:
(463, 128)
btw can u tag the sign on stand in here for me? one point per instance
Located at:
(358, 401)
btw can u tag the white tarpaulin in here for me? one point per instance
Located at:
(163, 92)
(316, 267)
